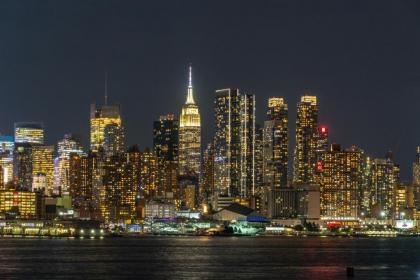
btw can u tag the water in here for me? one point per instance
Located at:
(209, 258)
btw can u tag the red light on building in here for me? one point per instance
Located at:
(319, 166)
(332, 225)
(324, 129)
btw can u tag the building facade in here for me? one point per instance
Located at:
(234, 143)
(190, 135)
(276, 144)
(306, 140)
(29, 132)
(106, 130)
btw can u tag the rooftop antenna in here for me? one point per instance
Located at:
(190, 76)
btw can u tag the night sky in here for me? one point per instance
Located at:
(361, 58)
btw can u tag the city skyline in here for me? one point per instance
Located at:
(213, 139)
(361, 66)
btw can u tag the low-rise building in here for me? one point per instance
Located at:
(237, 212)
(159, 209)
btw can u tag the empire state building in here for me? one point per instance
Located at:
(189, 134)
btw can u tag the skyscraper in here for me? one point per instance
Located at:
(22, 166)
(416, 169)
(42, 164)
(207, 189)
(106, 131)
(29, 132)
(247, 144)
(306, 140)
(190, 134)
(66, 147)
(384, 181)
(148, 174)
(165, 146)
(416, 179)
(276, 144)
(234, 142)
(340, 179)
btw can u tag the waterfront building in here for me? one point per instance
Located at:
(276, 144)
(340, 179)
(190, 134)
(297, 201)
(165, 147)
(29, 132)
(236, 212)
(404, 201)
(234, 143)
(148, 174)
(159, 209)
(132, 182)
(22, 203)
(121, 187)
(384, 182)
(82, 170)
(306, 140)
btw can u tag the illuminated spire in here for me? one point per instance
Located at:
(190, 97)
(106, 88)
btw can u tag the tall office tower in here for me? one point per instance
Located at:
(42, 164)
(165, 146)
(306, 140)
(81, 183)
(247, 166)
(384, 182)
(416, 169)
(66, 147)
(7, 146)
(259, 158)
(276, 144)
(148, 174)
(132, 194)
(106, 131)
(340, 180)
(113, 139)
(207, 186)
(190, 135)
(234, 142)
(29, 132)
(366, 191)
(121, 187)
(22, 166)
(404, 201)
(112, 189)
(321, 141)
(416, 179)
